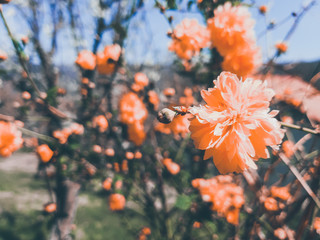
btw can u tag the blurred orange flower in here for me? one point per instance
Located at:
(263, 9)
(133, 113)
(316, 224)
(116, 202)
(288, 148)
(188, 38)
(101, 122)
(109, 152)
(26, 95)
(235, 126)
(172, 167)
(271, 204)
(107, 183)
(282, 47)
(232, 33)
(44, 152)
(280, 192)
(3, 55)
(226, 197)
(169, 92)
(106, 60)
(179, 126)
(154, 99)
(10, 138)
(141, 79)
(50, 207)
(86, 60)
(280, 233)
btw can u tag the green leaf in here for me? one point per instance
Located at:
(183, 202)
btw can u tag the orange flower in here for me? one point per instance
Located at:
(231, 27)
(280, 192)
(146, 231)
(280, 233)
(118, 184)
(196, 224)
(25, 40)
(124, 166)
(153, 99)
(169, 92)
(138, 155)
(76, 128)
(116, 167)
(3, 55)
(26, 95)
(107, 183)
(271, 204)
(10, 138)
(288, 148)
(117, 202)
(282, 47)
(316, 224)
(234, 126)
(107, 59)
(226, 197)
(129, 155)
(136, 133)
(44, 152)
(242, 62)
(109, 152)
(232, 33)
(97, 149)
(263, 9)
(133, 113)
(141, 79)
(86, 60)
(101, 122)
(172, 167)
(50, 207)
(188, 38)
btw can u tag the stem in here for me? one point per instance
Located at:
(37, 135)
(297, 127)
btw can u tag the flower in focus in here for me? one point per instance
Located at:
(116, 202)
(281, 47)
(133, 113)
(3, 55)
(10, 138)
(188, 38)
(235, 126)
(44, 152)
(86, 60)
(226, 197)
(101, 122)
(232, 33)
(172, 167)
(106, 60)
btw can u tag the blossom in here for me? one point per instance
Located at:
(226, 197)
(179, 126)
(10, 138)
(141, 79)
(280, 233)
(109, 152)
(86, 60)
(288, 148)
(50, 207)
(106, 60)
(282, 47)
(232, 33)
(235, 126)
(169, 92)
(26, 95)
(188, 38)
(101, 122)
(3, 55)
(107, 184)
(231, 28)
(263, 9)
(172, 167)
(117, 202)
(282, 193)
(133, 112)
(153, 99)
(44, 152)
(316, 224)
(271, 204)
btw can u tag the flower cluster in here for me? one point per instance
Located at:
(106, 60)
(10, 138)
(63, 135)
(188, 38)
(133, 112)
(232, 34)
(86, 60)
(117, 202)
(278, 196)
(140, 82)
(235, 126)
(101, 122)
(226, 197)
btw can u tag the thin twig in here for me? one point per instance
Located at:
(297, 127)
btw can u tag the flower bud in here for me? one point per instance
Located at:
(166, 115)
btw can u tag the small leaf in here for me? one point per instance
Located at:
(183, 202)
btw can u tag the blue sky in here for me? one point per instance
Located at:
(147, 41)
